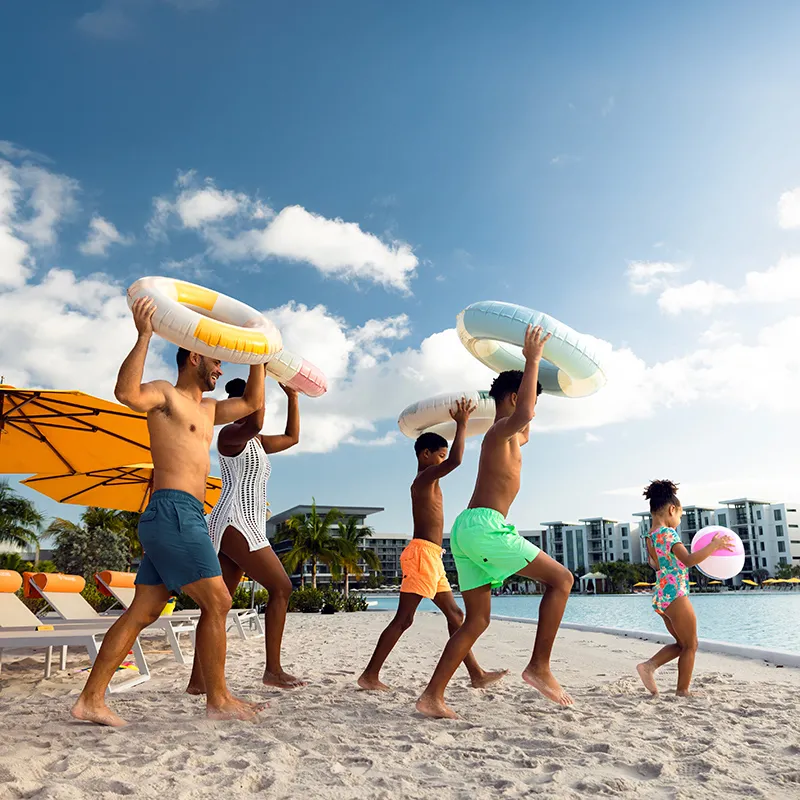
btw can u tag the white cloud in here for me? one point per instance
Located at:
(388, 439)
(777, 284)
(199, 207)
(562, 159)
(33, 203)
(592, 438)
(370, 383)
(16, 263)
(102, 234)
(236, 227)
(645, 277)
(14, 153)
(114, 18)
(789, 209)
(67, 332)
(702, 296)
(50, 199)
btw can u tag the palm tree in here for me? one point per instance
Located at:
(352, 554)
(20, 522)
(311, 540)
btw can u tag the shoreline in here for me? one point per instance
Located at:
(780, 658)
(772, 655)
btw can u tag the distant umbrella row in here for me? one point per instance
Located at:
(80, 449)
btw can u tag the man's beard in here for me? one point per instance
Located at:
(205, 376)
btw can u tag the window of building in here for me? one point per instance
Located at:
(778, 516)
(781, 547)
(626, 557)
(779, 530)
(626, 545)
(758, 514)
(723, 520)
(763, 562)
(783, 560)
(611, 557)
(763, 547)
(760, 530)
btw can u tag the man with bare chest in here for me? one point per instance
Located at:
(487, 549)
(178, 553)
(423, 569)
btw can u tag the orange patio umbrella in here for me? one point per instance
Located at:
(57, 432)
(119, 488)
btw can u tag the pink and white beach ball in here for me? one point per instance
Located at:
(722, 564)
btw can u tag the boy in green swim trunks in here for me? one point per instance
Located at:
(487, 550)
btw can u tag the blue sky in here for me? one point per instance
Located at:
(622, 168)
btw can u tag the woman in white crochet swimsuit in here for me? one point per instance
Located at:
(237, 524)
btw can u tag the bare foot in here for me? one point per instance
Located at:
(283, 680)
(231, 708)
(648, 676)
(100, 714)
(687, 693)
(372, 684)
(545, 683)
(488, 678)
(435, 709)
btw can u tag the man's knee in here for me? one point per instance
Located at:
(216, 602)
(142, 614)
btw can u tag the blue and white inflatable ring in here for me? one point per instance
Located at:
(494, 333)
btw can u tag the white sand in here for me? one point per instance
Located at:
(331, 740)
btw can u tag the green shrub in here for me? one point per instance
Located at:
(241, 597)
(333, 600)
(261, 599)
(355, 602)
(99, 602)
(185, 603)
(35, 604)
(307, 600)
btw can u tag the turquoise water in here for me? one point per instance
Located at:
(757, 619)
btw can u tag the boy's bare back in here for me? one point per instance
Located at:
(498, 481)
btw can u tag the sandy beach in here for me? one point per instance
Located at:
(331, 740)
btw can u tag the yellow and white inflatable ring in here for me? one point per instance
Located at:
(433, 415)
(494, 332)
(208, 322)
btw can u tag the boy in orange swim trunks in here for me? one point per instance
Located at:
(423, 568)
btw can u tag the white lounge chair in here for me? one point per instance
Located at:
(64, 637)
(74, 611)
(20, 628)
(236, 616)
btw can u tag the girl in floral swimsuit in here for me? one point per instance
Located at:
(669, 556)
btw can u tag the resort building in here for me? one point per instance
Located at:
(770, 532)
(278, 521)
(388, 546)
(581, 545)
